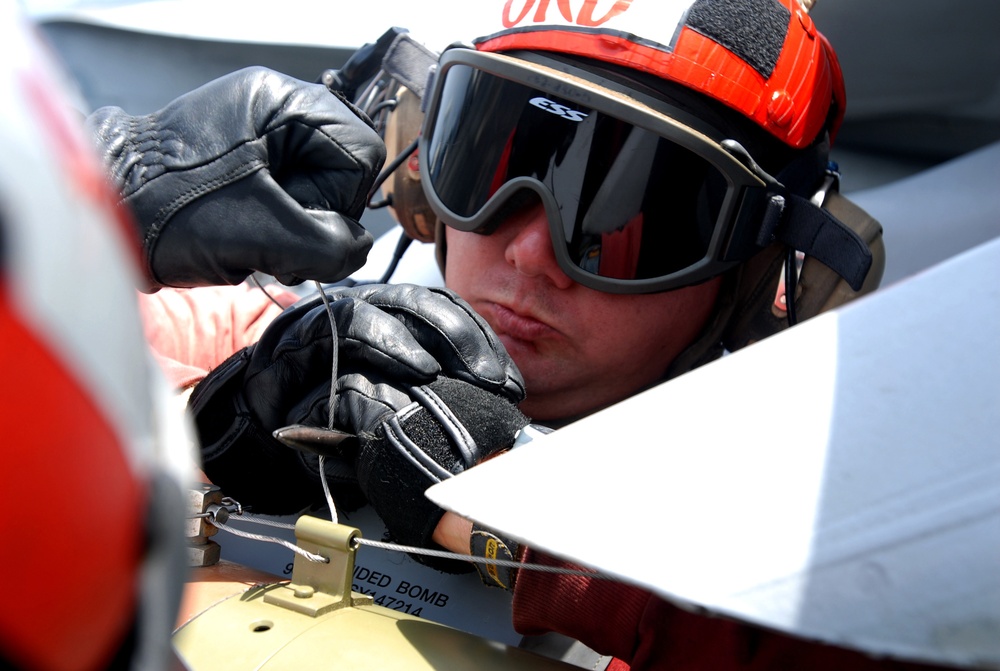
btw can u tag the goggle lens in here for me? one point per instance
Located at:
(624, 202)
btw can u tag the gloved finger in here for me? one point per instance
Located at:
(448, 328)
(334, 247)
(372, 338)
(310, 236)
(295, 355)
(313, 409)
(326, 148)
(297, 347)
(362, 402)
(266, 230)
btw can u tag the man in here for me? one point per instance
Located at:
(617, 209)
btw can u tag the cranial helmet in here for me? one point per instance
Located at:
(670, 142)
(763, 58)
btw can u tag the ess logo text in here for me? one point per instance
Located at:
(557, 109)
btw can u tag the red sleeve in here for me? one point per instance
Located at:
(647, 632)
(602, 614)
(191, 331)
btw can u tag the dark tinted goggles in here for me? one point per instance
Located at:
(637, 200)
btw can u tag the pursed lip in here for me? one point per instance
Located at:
(521, 325)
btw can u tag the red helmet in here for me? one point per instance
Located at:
(763, 58)
(669, 141)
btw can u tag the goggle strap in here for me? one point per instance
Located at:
(817, 233)
(410, 63)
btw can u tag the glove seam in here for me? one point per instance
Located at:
(242, 422)
(396, 436)
(483, 328)
(130, 148)
(395, 307)
(168, 210)
(312, 338)
(453, 428)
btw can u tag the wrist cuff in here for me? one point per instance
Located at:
(487, 543)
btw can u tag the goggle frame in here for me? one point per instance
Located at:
(737, 226)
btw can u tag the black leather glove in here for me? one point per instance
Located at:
(445, 428)
(398, 336)
(252, 171)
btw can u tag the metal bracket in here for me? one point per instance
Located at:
(202, 551)
(320, 587)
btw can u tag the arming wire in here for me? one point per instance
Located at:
(331, 408)
(393, 547)
(256, 283)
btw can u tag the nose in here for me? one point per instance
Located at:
(529, 246)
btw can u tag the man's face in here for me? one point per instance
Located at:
(578, 349)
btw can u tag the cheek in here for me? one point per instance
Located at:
(696, 304)
(652, 330)
(467, 256)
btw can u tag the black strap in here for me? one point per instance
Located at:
(800, 224)
(817, 233)
(409, 62)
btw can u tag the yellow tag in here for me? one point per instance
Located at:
(491, 553)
